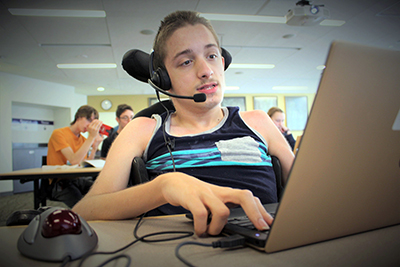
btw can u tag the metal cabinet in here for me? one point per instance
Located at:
(27, 156)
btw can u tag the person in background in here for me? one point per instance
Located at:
(201, 158)
(67, 146)
(278, 117)
(124, 115)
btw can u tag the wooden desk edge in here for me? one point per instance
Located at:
(41, 173)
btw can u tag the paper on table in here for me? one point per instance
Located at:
(54, 167)
(97, 163)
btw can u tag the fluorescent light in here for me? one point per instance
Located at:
(75, 45)
(100, 89)
(244, 18)
(332, 22)
(251, 66)
(88, 66)
(57, 13)
(231, 88)
(262, 19)
(290, 88)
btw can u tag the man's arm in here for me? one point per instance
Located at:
(95, 146)
(79, 155)
(277, 144)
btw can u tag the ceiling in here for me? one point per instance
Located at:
(32, 46)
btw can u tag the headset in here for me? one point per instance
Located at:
(160, 81)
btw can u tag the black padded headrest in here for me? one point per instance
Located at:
(136, 63)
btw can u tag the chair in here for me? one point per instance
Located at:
(41, 188)
(44, 189)
(296, 145)
(276, 165)
(156, 108)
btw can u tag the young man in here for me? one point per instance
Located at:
(124, 115)
(187, 46)
(278, 117)
(68, 146)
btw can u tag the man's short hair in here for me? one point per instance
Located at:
(169, 25)
(121, 109)
(86, 111)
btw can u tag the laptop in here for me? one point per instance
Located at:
(346, 175)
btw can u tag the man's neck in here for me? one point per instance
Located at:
(187, 122)
(75, 130)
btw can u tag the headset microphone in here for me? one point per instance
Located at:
(201, 97)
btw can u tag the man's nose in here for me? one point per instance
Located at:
(204, 69)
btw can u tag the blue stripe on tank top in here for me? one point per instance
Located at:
(202, 158)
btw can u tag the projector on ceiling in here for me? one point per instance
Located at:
(305, 14)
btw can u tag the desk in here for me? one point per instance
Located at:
(374, 248)
(37, 174)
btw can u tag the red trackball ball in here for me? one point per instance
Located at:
(61, 222)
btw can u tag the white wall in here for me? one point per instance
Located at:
(28, 93)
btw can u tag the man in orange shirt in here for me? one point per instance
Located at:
(68, 146)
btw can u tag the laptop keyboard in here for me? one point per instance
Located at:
(244, 221)
(243, 226)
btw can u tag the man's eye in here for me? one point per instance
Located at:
(187, 62)
(213, 56)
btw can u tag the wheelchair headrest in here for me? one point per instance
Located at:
(136, 63)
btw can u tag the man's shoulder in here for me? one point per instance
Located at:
(253, 114)
(141, 127)
(60, 131)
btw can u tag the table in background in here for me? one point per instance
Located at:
(374, 248)
(38, 174)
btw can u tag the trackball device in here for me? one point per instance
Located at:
(56, 234)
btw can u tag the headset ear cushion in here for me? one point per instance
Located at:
(227, 56)
(163, 79)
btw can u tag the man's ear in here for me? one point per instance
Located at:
(117, 119)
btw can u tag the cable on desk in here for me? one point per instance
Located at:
(226, 242)
(182, 234)
(143, 239)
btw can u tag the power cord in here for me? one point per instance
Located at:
(226, 242)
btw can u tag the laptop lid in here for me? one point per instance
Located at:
(346, 175)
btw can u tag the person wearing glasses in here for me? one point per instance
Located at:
(124, 115)
(67, 146)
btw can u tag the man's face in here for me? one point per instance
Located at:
(83, 123)
(124, 118)
(279, 119)
(194, 63)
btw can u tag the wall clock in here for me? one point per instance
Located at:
(106, 104)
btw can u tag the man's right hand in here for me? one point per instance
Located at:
(201, 198)
(94, 128)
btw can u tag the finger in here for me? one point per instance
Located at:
(267, 217)
(252, 207)
(97, 125)
(258, 215)
(200, 216)
(220, 213)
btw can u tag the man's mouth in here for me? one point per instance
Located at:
(207, 87)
